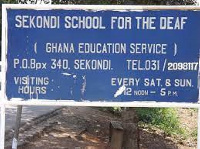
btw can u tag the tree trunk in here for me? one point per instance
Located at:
(131, 132)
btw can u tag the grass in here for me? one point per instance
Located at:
(162, 118)
(166, 119)
(194, 133)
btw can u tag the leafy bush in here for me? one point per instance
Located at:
(163, 118)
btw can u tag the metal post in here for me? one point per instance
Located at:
(17, 127)
(2, 133)
(198, 127)
(198, 120)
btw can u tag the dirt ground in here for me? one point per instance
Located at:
(88, 128)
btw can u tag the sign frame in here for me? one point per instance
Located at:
(70, 102)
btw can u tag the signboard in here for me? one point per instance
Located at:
(86, 53)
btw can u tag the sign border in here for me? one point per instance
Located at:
(18, 101)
